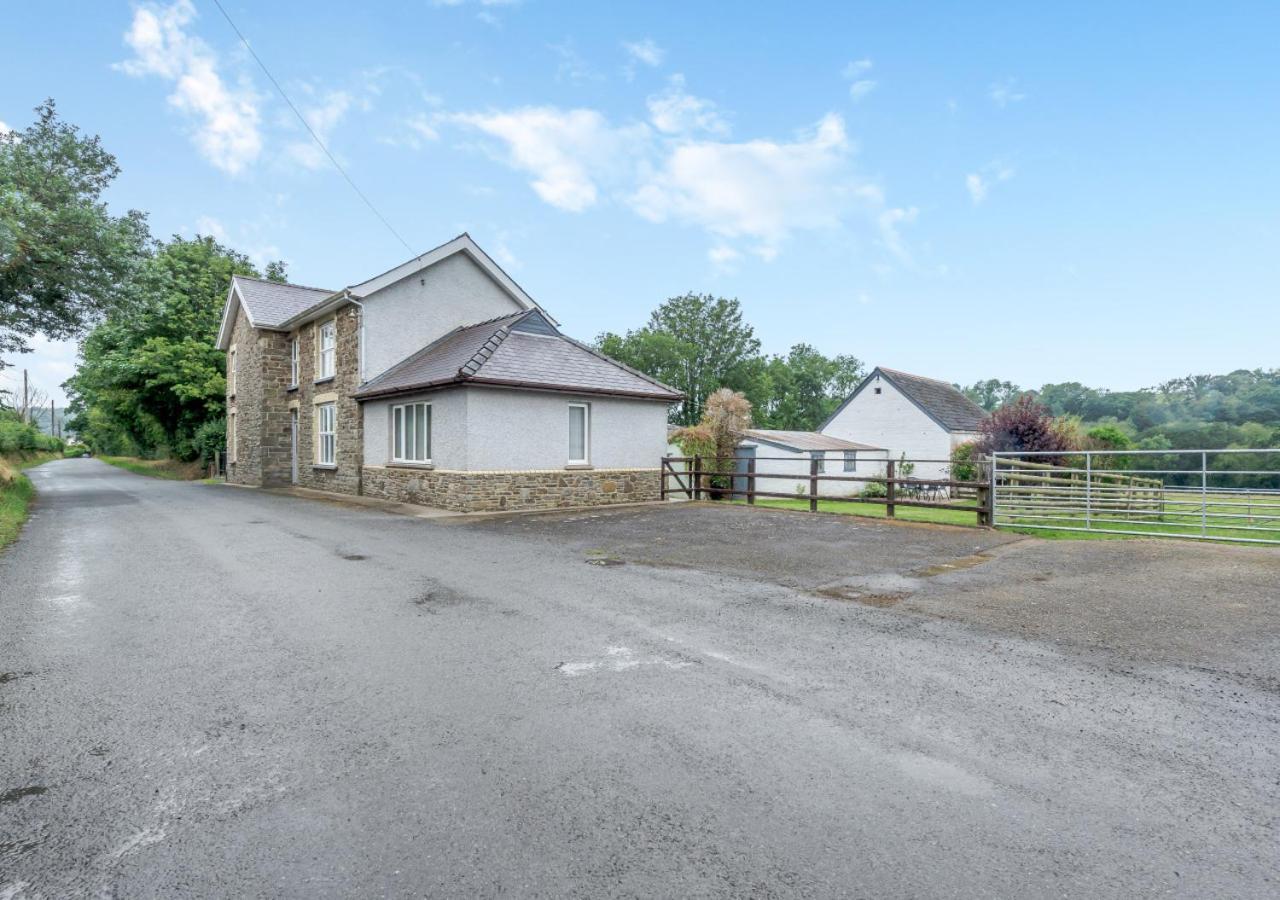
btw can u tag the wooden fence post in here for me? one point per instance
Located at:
(813, 484)
(891, 488)
(695, 478)
(984, 505)
(751, 481)
(662, 479)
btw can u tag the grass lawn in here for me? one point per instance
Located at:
(1179, 521)
(877, 510)
(16, 493)
(157, 468)
(1227, 518)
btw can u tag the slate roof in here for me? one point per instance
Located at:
(270, 304)
(803, 440)
(952, 409)
(521, 350)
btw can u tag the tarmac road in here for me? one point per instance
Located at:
(214, 692)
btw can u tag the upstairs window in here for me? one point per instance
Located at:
(326, 434)
(851, 460)
(293, 363)
(326, 346)
(411, 433)
(579, 433)
(231, 372)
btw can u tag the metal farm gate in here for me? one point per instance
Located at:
(1209, 495)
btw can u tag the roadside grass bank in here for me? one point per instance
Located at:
(16, 492)
(170, 469)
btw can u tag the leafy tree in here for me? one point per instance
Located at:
(65, 261)
(696, 343)
(152, 370)
(805, 387)
(725, 416)
(1025, 425)
(992, 393)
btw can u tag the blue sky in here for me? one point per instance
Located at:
(1026, 191)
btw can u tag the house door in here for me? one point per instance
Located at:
(293, 446)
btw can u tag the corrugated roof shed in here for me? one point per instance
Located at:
(804, 441)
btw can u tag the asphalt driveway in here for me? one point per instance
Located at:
(214, 692)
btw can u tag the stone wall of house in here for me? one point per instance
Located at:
(503, 491)
(264, 400)
(245, 406)
(344, 476)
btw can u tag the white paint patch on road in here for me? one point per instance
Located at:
(620, 659)
(137, 841)
(943, 774)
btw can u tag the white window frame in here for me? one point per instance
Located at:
(586, 434)
(399, 444)
(293, 362)
(231, 372)
(327, 354)
(330, 445)
(851, 460)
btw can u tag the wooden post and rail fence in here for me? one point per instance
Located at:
(692, 477)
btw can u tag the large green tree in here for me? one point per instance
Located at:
(696, 343)
(805, 387)
(65, 261)
(151, 371)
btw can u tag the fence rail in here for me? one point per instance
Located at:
(1208, 495)
(698, 477)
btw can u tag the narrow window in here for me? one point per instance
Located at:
(820, 458)
(293, 363)
(411, 432)
(326, 439)
(851, 460)
(231, 372)
(579, 433)
(327, 348)
(231, 431)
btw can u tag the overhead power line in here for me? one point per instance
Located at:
(315, 137)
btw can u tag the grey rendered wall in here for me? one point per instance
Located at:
(448, 428)
(530, 430)
(413, 312)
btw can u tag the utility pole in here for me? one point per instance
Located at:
(53, 423)
(26, 410)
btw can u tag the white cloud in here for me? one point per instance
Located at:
(1005, 92)
(4, 128)
(323, 116)
(568, 152)
(979, 183)
(675, 111)
(226, 130)
(857, 68)
(760, 191)
(859, 85)
(861, 88)
(645, 51)
(572, 67)
(208, 225)
(890, 222)
(723, 256)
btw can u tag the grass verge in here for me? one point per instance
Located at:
(171, 469)
(877, 511)
(16, 492)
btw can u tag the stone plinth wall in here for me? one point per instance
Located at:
(499, 491)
